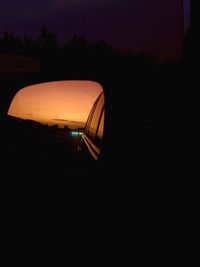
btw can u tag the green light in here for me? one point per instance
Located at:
(75, 134)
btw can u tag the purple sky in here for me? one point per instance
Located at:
(153, 25)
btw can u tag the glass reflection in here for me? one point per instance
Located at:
(62, 103)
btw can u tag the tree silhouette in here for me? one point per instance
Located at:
(30, 46)
(77, 43)
(11, 44)
(47, 40)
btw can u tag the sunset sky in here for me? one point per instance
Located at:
(56, 102)
(151, 25)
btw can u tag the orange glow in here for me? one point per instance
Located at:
(60, 102)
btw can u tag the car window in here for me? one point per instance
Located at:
(96, 117)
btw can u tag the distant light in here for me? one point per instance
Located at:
(75, 134)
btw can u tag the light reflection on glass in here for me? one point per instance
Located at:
(62, 103)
